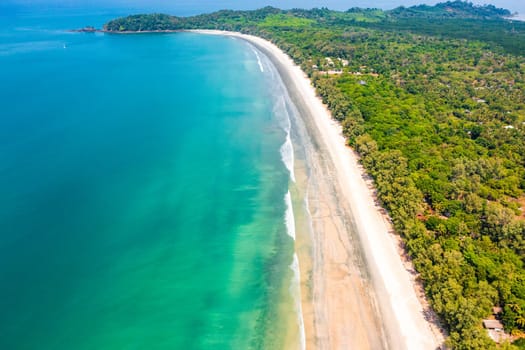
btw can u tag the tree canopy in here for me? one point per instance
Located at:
(433, 100)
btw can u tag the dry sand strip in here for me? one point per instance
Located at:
(402, 313)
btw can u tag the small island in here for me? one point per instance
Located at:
(86, 29)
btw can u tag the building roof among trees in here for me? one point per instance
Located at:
(492, 324)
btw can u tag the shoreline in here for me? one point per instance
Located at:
(339, 286)
(93, 30)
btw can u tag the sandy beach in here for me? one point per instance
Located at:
(358, 292)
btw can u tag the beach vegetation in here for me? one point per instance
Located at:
(285, 20)
(433, 100)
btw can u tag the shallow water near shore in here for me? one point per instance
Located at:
(144, 181)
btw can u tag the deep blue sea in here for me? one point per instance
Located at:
(142, 183)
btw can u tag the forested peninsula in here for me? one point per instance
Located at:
(433, 100)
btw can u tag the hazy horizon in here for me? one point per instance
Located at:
(187, 7)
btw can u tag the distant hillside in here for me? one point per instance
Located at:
(453, 19)
(447, 10)
(451, 9)
(433, 100)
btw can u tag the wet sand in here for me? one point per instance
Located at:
(357, 292)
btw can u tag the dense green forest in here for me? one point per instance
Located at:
(433, 100)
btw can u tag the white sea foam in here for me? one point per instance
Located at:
(289, 218)
(258, 59)
(288, 156)
(282, 109)
(295, 289)
(283, 106)
(295, 286)
(287, 152)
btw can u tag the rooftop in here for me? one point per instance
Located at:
(492, 324)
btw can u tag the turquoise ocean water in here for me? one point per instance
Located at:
(142, 191)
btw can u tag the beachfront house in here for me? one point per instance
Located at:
(495, 328)
(493, 325)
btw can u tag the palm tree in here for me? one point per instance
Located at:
(520, 320)
(515, 307)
